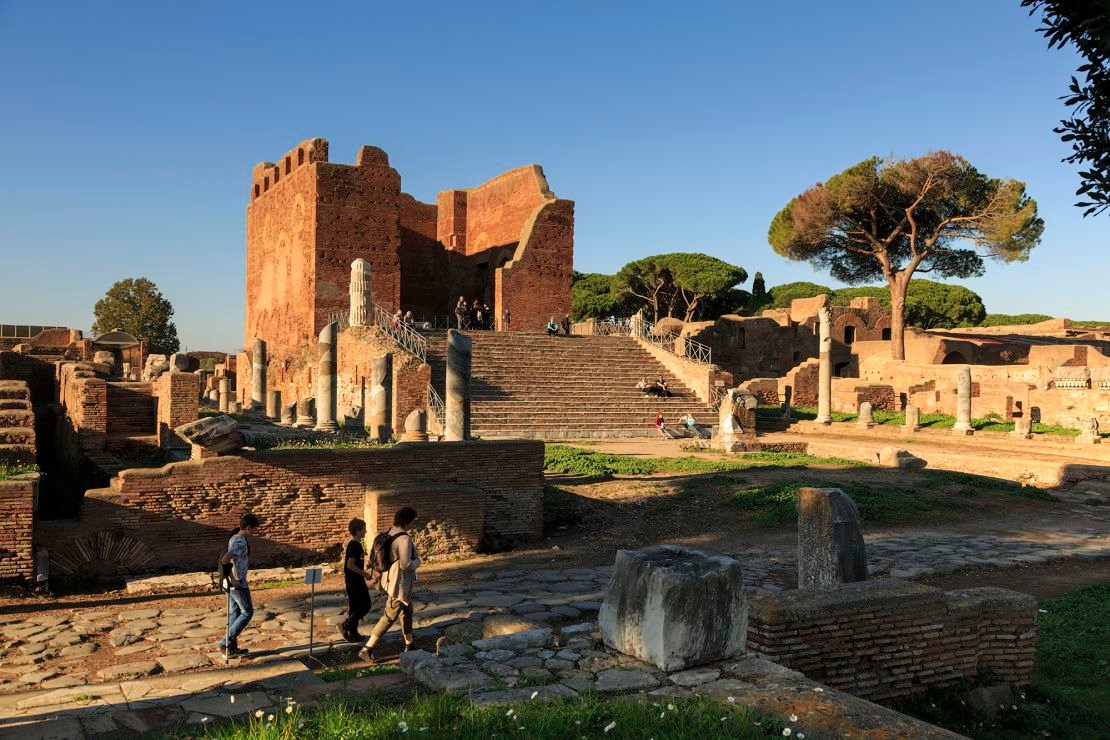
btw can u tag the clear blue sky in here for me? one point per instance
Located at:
(130, 129)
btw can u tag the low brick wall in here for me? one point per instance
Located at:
(18, 497)
(888, 638)
(179, 516)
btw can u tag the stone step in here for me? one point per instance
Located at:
(17, 418)
(12, 404)
(17, 435)
(17, 454)
(14, 390)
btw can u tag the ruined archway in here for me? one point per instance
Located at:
(954, 358)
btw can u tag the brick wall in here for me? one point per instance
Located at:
(18, 499)
(535, 284)
(451, 520)
(887, 638)
(410, 392)
(183, 512)
(177, 395)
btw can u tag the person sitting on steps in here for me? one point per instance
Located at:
(552, 327)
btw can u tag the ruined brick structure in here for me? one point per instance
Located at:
(18, 498)
(888, 638)
(508, 242)
(176, 516)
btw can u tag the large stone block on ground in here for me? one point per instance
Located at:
(674, 607)
(894, 457)
(216, 434)
(830, 539)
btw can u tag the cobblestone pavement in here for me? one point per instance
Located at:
(72, 648)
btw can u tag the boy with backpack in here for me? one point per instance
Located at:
(355, 577)
(394, 557)
(233, 580)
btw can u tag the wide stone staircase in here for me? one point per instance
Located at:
(536, 386)
(17, 424)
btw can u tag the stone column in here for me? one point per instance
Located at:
(288, 414)
(381, 397)
(458, 387)
(234, 407)
(824, 377)
(306, 412)
(866, 418)
(326, 353)
(1088, 431)
(963, 403)
(1023, 427)
(913, 418)
(830, 540)
(225, 394)
(787, 394)
(362, 294)
(273, 405)
(258, 375)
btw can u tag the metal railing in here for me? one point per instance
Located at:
(717, 394)
(670, 341)
(437, 407)
(404, 334)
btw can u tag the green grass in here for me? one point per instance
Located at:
(10, 471)
(602, 466)
(339, 675)
(1090, 324)
(276, 584)
(935, 496)
(988, 423)
(317, 442)
(446, 715)
(1071, 694)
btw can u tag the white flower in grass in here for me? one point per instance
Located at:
(732, 700)
(786, 732)
(203, 720)
(793, 718)
(300, 724)
(801, 736)
(403, 726)
(289, 709)
(670, 707)
(535, 694)
(232, 698)
(723, 718)
(258, 713)
(818, 689)
(269, 718)
(610, 726)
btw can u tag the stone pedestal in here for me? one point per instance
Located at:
(234, 407)
(326, 381)
(306, 413)
(225, 394)
(913, 419)
(830, 539)
(866, 417)
(381, 397)
(258, 375)
(273, 405)
(736, 421)
(1088, 432)
(288, 414)
(1023, 427)
(893, 457)
(416, 426)
(824, 367)
(675, 608)
(963, 403)
(214, 395)
(457, 402)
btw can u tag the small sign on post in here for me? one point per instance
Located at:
(312, 576)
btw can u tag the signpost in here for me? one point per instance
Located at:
(312, 576)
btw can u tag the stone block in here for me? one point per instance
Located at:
(894, 457)
(216, 434)
(830, 539)
(675, 608)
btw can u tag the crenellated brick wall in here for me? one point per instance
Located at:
(887, 638)
(18, 500)
(179, 515)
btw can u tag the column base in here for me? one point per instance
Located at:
(823, 420)
(967, 432)
(326, 426)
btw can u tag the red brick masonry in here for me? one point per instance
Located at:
(888, 638)
(179, 516)
(17, 515)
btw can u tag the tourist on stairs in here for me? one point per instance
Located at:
(552, 327)
(355, 577)
(661, 426)
(394, 556)
(461, 312)
(234, 581)
(566, 325)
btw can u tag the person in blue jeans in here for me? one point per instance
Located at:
(235, 582)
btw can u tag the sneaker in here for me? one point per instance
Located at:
(367, 654)
(346, 634)
(238, 652)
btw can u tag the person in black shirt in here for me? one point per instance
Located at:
(355, 577)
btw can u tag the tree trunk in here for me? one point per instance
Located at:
(898, 285)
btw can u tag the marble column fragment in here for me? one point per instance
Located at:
(362, 294)
(306, 412)
(866, 416)
(831, 550)
(913, 418)
(225, 394)
(1023, 427)
(824, 369)
(258, 375)
(326, 381)
(288, 414)
(963, 402)
(787, 395)
(381, 397)
(273, 405)
(458, 387)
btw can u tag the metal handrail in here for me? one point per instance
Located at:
(717, 394)
(402, 333)
(667, 341)
(437, 407)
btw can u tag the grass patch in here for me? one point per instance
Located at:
(446, 715)
(1071, 694)
(276, 584)
(602, 466)
(938, 495)
(10, 471)
(318, 442)
(935, 420)
(341, 675)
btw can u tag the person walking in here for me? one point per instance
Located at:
(398, 580)
(234, 581)
(566, 325)
(355, 577)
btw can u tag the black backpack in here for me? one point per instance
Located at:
(381, 552)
